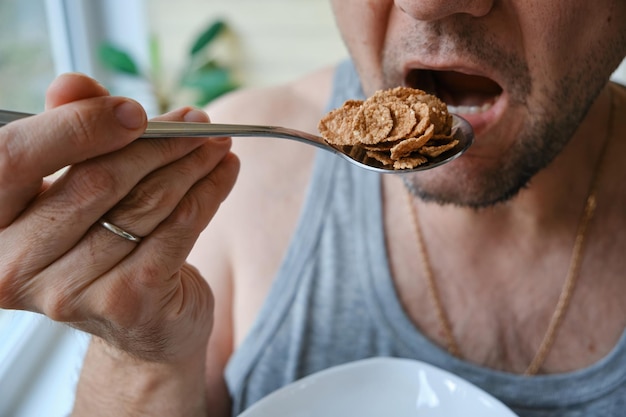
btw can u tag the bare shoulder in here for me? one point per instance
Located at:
(266, 104)
(263, 207)
(272, 166)
(298, 104)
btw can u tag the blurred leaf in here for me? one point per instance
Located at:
(209, 84)
(193, 67)
(201, 74)
(118, 60)
(207, 36)
(208, 96)
(209, 65)
(206, 80)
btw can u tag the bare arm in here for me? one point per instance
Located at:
(114, 383)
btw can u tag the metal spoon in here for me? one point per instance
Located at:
(461, 130)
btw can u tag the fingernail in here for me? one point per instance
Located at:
(195, 115)
(221, 139)
(130, 114)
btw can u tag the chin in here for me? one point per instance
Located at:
(468, 182)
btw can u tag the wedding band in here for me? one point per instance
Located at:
(119, 231)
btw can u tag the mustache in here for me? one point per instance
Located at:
(459, 37)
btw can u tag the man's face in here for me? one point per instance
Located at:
(522, 72)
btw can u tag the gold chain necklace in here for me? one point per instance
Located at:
(568, 287)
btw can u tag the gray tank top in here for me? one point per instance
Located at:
(333, 301)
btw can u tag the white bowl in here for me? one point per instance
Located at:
(380, 387)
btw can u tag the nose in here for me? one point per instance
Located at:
(430, 10)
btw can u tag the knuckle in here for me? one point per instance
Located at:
(222, 179)
(10, 160)
(10, 286)
(59, 306)
(150, 275)
(90, 180)
(191, 167)
(16, 273)
(216, 186)
(120, 305)
(145, 198)
(81, 127)
(201, 202)
(188, 210)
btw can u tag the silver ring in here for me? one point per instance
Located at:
(119, 231)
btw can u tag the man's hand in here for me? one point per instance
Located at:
(140, 299)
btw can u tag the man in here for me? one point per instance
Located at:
(502, 265)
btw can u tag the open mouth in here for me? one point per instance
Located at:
(463, 93)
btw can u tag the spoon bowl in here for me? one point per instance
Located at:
(461, 131)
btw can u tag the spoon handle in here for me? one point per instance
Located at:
(8, 116)
(161, 129)
(158, 129)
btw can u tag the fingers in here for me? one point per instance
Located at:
(163, 175)
(72, 87)
(33, 148)
(84, 123)
(61, 216)
(54, 256)
(157, 197)
(153, 267)
(42, 144)
(129, 285)
(19, 182)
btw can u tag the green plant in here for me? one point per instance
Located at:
(201, 73)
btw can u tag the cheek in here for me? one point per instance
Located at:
(363, 26)
(582, 39)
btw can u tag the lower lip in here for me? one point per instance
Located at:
(481, 121)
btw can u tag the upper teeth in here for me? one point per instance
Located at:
(469, 109)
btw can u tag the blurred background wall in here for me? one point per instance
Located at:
(272, 40)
